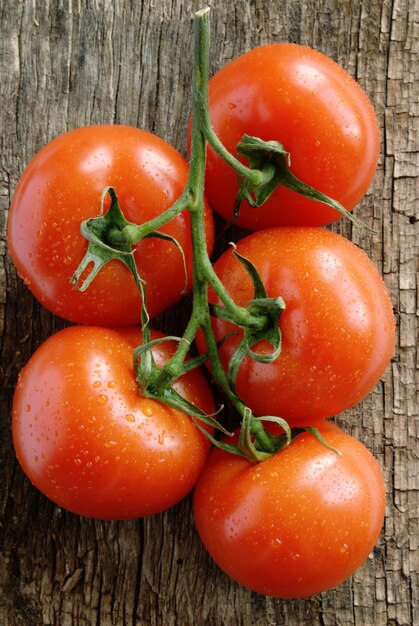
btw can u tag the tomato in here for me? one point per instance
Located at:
(62, 186)
(86, 438)
(296, 524)
(338, 327)
(301, 98)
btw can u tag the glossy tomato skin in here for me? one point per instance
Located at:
(301, 98)
(338, 327)
(296, 524)
(62, 186)
(86, 438)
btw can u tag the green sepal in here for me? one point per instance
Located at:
(231, 448)
(246, 444)
(273, 162)
(258, 286)
(255, 442)
(156, 234)
(187, 366)
(317, 434)
(170, 397)
(279, 441)
(235, 362)
(155, 342)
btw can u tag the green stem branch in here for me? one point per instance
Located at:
(133, 233)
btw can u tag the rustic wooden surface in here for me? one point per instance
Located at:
(71, 63)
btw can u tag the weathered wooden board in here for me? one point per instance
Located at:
(71, 63)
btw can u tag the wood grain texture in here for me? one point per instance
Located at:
(76, 62)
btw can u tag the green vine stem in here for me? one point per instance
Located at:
(203, 272)
(112, 236)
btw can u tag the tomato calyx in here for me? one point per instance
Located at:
(261, 306)
(157, 382)
(100, 251)
(110, 237)
(273, 161)
(256, 443)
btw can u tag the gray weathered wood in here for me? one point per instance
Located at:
(71, 63)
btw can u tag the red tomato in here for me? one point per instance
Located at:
(296, 524)
(62, 186)
(337, 329)
(86, 438)
(301, 98)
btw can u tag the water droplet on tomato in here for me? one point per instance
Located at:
(97, 383)
(111, 384)
(102, 399)
(27, 408)
(129, 417)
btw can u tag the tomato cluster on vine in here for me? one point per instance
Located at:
(104, 438)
